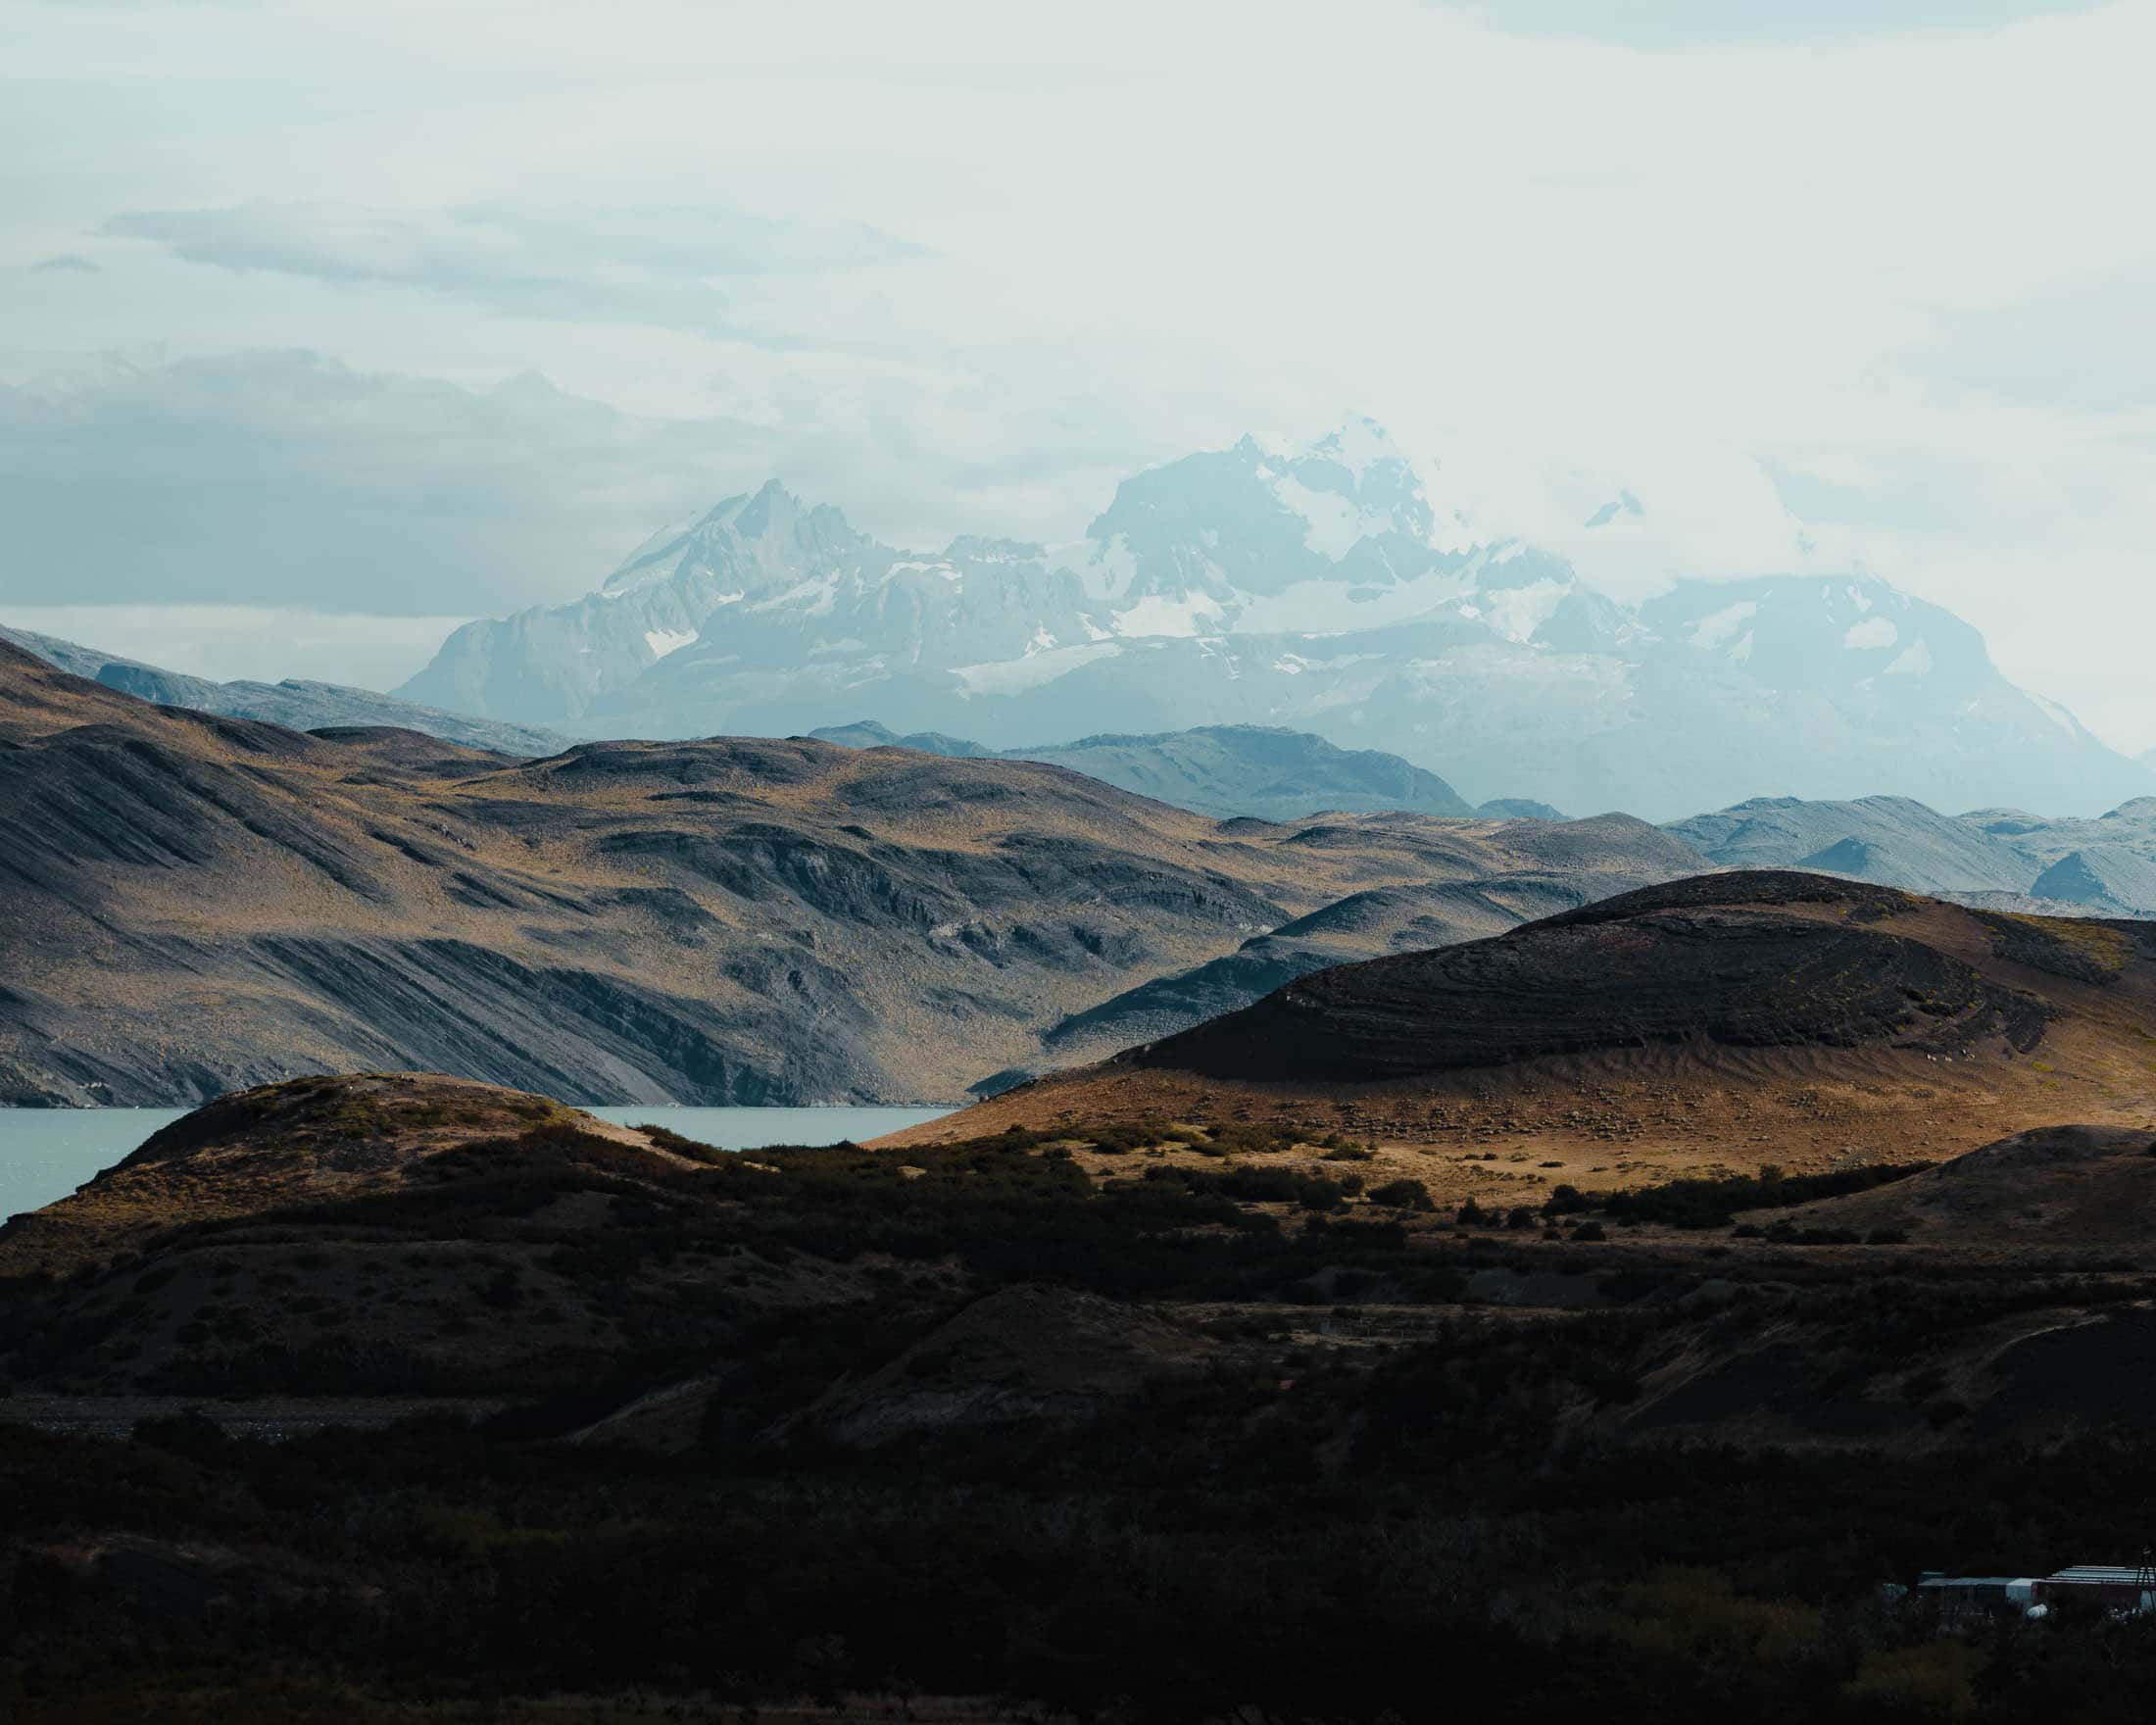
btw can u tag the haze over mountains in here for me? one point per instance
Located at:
(1321, 591)
(295, 703)
(2105, 866)
(1263, 771)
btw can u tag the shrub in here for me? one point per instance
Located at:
(1403, 1193)
(1715, 1204)
(1936, 1681)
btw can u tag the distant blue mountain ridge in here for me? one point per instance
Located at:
(1318, 590)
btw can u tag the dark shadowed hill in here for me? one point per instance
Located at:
(1717, 1022)
(197, 902)
(1719, 960)
(1553, 867)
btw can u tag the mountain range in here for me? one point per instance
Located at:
(298, 704)
(2071, 867)
(1229, 769)
(2103, 868)
(196, 902)
(1319, 590)
(1222, 771)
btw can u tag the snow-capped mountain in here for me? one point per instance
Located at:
(1318, 589)
(762, 584)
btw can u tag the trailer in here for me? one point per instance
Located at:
(2118, 1590)
(2112, 1590)
(1967, 1599)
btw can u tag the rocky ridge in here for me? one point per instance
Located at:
(198, 903)
(1320, 589)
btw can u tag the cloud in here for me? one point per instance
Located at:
(665, 264)
(1677, 24)
(1829, 239)
(67, 261)
(2086, 344)
(286, 478)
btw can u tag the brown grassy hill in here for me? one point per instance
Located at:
(2082, 1188)
(385, 1235)
(381, 1240)
(195, 904)
(1548, 869)
(306, 1141)
(1710, 1026)
(351, 1249)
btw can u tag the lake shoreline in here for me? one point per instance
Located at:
(45, 1153)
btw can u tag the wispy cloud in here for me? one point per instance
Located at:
(1669, 24)
(2082, 345)
(67, 261)
(668, 266)
(284, 479)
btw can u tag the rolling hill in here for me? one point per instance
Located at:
(296, 703)
(197, 903)
(1710, 1024)
(1265, 772)
(2104, 867)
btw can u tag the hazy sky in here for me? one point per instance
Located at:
(425, 309)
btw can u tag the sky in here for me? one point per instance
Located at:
(325, 322)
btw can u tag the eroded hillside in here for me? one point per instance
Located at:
(1698, 1029)
(198, 903)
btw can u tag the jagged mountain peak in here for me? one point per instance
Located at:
(769, 516)
(1812, 631)
(1360, 444)
(979, 548)
(1198, 546)
(1622, 505)
(1314, 587)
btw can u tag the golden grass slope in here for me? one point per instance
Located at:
(197, 904)
(1729, 1067)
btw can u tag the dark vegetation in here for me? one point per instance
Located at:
(442, 1567)
(1325, 1521)
(1715, 1204)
